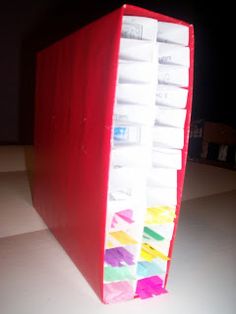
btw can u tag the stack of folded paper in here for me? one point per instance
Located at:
(148, 135)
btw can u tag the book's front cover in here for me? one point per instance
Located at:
(75, 92)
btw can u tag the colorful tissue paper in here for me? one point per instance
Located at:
(148, 269)
(119, 273)
(148, 287)
(117, 291)
(114, 222)
(123, 238)
(151, 233)
(160, 215)
(118, 257)
(148, 253)
(125, 215)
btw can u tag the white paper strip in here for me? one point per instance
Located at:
(161, 196)
(133, 114)
(129, 134)
(137, 27)
(115, 206)
(129, 156)
(170, 116)
(162, 177)
(135, 72)
(167, 158)
(165, 230)
(168, 137)
(137, 50)
(171, 96)
(126, 177)
(173, 54)
(173, 33)
(161, 264)
(173, 75)
(139, 94)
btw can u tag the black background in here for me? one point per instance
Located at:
(28, 26)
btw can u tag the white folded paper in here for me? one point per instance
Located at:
(161, 196)
(171, 96)
(162, 177)
(125, 177)
(173, 33)
(137, 27)
(115, 206)
(168, 137)
(137, 50)
(135, 72)
(130, 156)
(122, 194)
(129, 134)
(167, 158)
(165, 230)
(139, 94)
(126, 184)
(173, 54)
(133, 114)
(170, 116)
(173, 75)
(162, 264)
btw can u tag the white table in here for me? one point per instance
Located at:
(37, 277)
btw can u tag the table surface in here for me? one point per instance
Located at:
(37, 276)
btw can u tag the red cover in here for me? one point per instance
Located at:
(75, 92)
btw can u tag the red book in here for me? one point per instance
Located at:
(78, 136)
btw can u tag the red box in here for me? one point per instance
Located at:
(76, 85)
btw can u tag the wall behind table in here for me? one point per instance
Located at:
(27, 26)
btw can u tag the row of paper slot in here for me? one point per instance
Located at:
(136, 87)
(147, 29)
(167, 73)
(162, 136)
(137, 156)
(168, 137)
(136, 114)
(167, 143)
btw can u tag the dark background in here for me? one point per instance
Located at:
(27, 26)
